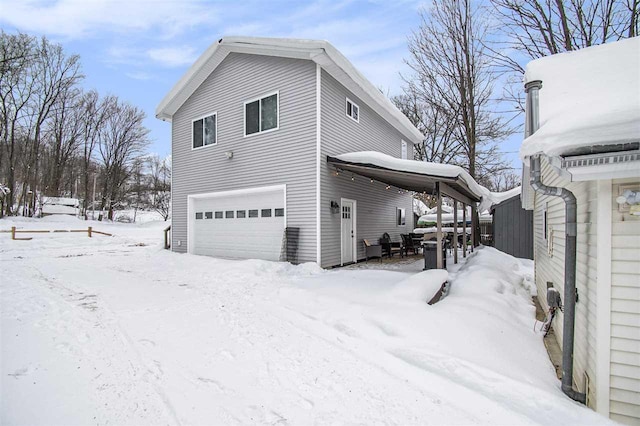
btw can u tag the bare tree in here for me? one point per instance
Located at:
(538, 28)
(160, 185)
(53, 74)
(532, 29)
(122, 139)
(504, 181)
(16, 91)
(453, 80)
(436, 122)
(93, 112)
(63, 135)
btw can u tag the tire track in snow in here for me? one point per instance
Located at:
(104, 319)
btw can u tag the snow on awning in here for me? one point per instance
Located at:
(588, 98)
(417, 176)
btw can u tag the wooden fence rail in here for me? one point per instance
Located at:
(90, 231)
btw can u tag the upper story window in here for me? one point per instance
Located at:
(353, 110)
(404, 150)
(261, 114)
(205, 131)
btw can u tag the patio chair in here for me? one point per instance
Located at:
(409, 244)
(389, 247)
(372, 250)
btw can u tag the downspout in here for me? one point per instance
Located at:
(531, 125)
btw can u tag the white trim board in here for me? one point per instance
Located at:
(603, 296)
(318, 163)
(321, 52)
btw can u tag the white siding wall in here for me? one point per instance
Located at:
(376, 206)
(625, 313)
(551, 267)
(284, 156)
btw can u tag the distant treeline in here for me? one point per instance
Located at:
(59, 140)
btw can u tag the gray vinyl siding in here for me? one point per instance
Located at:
(625, 312)
(513, 228)
(550, 267)
(376, 206)
(284, 156)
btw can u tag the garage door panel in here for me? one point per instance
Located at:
(234, 237)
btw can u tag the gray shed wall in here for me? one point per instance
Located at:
(376, 207)
(513, 229)
(284, 156)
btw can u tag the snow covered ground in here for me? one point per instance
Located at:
(115, 330)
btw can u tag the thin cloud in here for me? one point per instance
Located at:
(173, 56)
(139, 75)
(75, 19)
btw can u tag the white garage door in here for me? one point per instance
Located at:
(241, 225)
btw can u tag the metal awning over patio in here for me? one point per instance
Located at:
(420, 182)
(434, 179)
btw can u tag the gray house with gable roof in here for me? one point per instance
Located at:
(252, 122)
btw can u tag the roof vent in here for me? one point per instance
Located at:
(532, 113)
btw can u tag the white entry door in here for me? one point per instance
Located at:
(348, 231)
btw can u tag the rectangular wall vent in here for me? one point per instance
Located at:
(600, 159)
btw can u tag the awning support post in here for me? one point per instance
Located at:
(474, 223)
(439, 259)
(455, 231)
(464, 230)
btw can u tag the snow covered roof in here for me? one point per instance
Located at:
(62, 201)
(588, 97)
(499, 197)
(417, 176)
(447, 218)
(319, 51)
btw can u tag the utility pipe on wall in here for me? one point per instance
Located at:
(531, 125)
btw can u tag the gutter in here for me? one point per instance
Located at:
(531, 125)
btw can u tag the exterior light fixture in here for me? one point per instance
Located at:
(229, 154)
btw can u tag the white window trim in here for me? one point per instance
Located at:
(347, 101)
(404, 212)
(244, 114)
(201, 118)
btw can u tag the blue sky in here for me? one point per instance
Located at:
(138, 49)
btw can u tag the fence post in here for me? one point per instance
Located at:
(13, 232)
(89, 231)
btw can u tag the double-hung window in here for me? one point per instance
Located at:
(205, 131)
(261, 114)
(353, 110)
